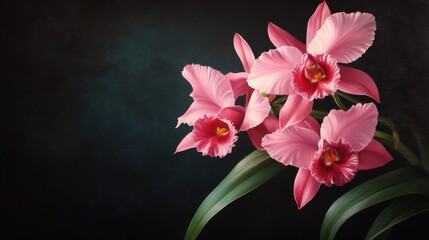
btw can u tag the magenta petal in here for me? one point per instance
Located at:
(305, 82)
(214, 137)
(238, 83)
(186, 143)
(356, 126)
(292, 146)
(244, 52)
(317, 19)
(257, 110)
(295, 109)
(305, 187)
(373, 156)
(272, 71)
(344, 36)
(357, 82)
(280, 37)
(269, 125)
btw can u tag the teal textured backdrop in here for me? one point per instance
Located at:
(91, 92)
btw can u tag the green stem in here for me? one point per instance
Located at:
(318, 114)
(390, 124)
(339, 102)
(401, 148)
(346, 96)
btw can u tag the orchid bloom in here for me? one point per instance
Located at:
(310, 71)
(215, 118)
(330, 153)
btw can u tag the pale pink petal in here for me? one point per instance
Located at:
(214, 137)
(209, 85)
(316, 77)
(272, 71)
(305, 187)
(357, 82)
(244, 52)
(186, 143)
(295, 109)
(292, 146)
(238, 83)
(317, 19)
(373, 156)
(197, 110)
(234, 114)
(344, 36)
(310, 123)
(280, 37)
(356, 126)
(257, 110)
(269, 125)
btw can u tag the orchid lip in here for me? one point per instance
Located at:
(313, 71)
(330, 155)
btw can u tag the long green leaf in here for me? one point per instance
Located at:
(400, 210)
(421, 140)
(251, 172)
(404, 181)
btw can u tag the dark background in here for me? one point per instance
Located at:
(91, 92)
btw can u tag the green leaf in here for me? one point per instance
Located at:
(251, 172)
(400, 210)
(421, 140)
(408, 180)
(400, 147)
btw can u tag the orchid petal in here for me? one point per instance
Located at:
(197, 110)
(209, 84)
(238, 83)
(214, 137)
(357, 82)
(356, 126)
(304, 81)
(234, 114)
(373, 156)
(292, 146)
(257, 110)
(186, 143)
(244, 52)
(295, 109)
(310, 123)
(305, 187)
(272, 71)
(280, 37)
(211, 92)
(317, 19)
(344, 36)
(269, 125)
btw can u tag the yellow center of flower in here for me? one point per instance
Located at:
(222, 131)
(330, 155)
(315, 73)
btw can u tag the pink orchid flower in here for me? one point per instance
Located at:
(311, 71)
(213, 114)
(330, 153)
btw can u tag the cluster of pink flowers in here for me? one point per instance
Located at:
(330, 152)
